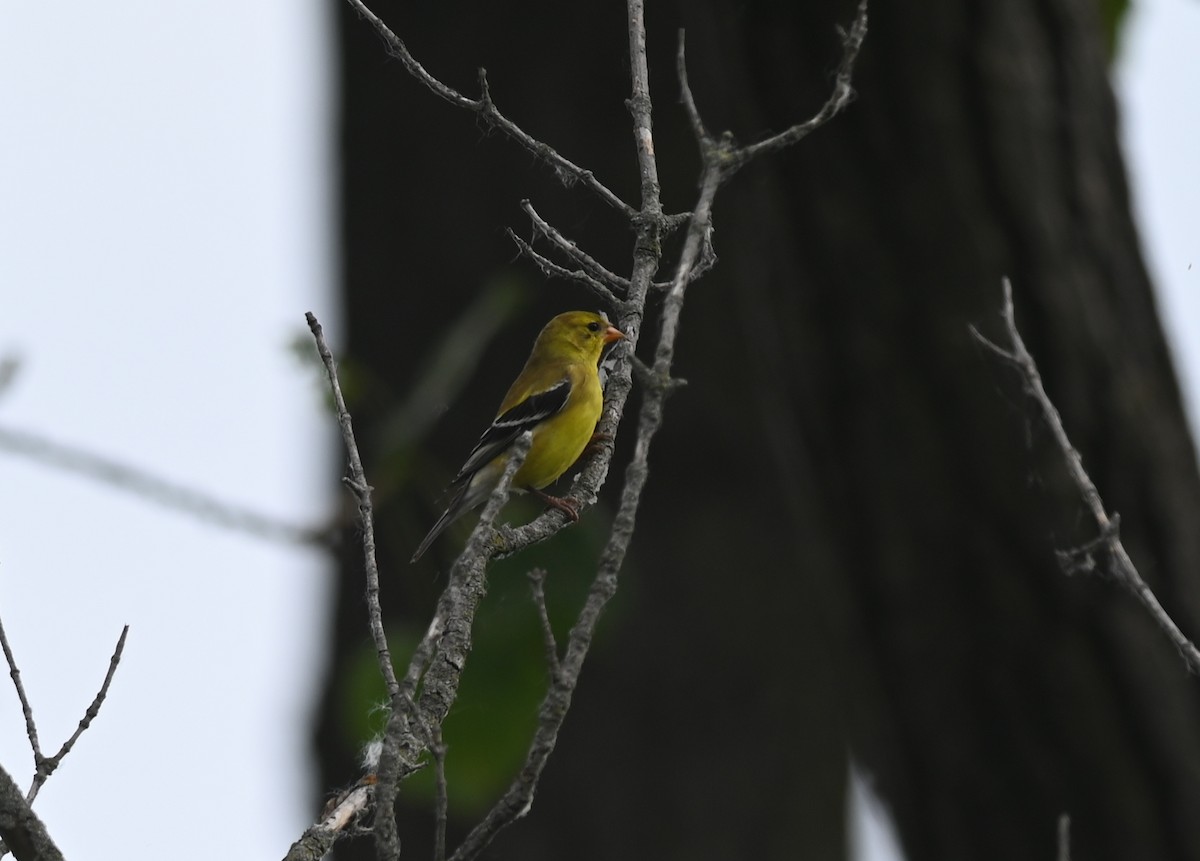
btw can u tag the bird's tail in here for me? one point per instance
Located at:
(448, 516)
(469, 495)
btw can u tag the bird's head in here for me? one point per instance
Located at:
(579, 334)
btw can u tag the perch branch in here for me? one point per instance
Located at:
(314, 844)
(444, 651)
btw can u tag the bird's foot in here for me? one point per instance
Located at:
(566, 505)
(597, 443)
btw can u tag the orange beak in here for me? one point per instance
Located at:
(613, 334)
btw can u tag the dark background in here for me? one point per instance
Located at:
(847, 545)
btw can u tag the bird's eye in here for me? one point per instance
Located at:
(593, 327)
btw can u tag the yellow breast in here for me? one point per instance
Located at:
(559, 441)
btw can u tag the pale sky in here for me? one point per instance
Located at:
(165, 222)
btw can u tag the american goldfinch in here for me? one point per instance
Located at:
(558, 397)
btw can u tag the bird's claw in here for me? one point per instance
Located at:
(597, 443)
(565, 504)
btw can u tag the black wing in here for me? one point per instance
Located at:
(511, 424)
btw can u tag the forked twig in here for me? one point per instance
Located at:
(18, 824)
(48, 765)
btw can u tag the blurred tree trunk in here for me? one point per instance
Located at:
(848, 542)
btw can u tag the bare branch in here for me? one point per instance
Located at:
(357, 482)
(314, 844)
(46, 766)
(586, 262)
(20, 829)
(443, 655)
(1122, 566)
(641, 109)
(26, 708)
(400, 51)
(564, 168)
(685, 93)
(537, 583)
(842, 95)
(441, 811)
(552, 270)
(141, 483)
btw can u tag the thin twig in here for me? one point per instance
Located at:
(26, 708)
(842, 95)
(564, 168)
(441, 809)
(641, 109)
(388, 843)
(1122, 566)
(356, 481)
(141, 483)
(537, 584)
(21, 818)
(588, 263)
(699, 131)
(46, 766)
(552, 270)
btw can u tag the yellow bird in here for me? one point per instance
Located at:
(557, 396)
